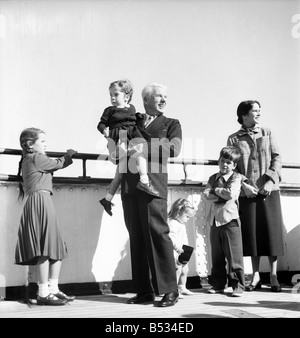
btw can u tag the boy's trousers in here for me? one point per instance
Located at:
(226, 244)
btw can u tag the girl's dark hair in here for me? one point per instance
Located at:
(243, 109)
(125, 86)
(230, 153)
(179, 207)
(27, 138)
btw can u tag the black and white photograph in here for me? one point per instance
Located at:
(133, 130)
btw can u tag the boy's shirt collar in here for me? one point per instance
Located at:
(226, 176)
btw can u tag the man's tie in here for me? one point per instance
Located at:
(220, 182)
(149, 119)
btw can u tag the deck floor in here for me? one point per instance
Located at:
(256, 304)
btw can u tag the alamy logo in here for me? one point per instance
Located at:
(2, 27)
(2, 286)
(296, 28)
(296, 283)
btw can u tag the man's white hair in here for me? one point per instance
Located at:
(149, 88)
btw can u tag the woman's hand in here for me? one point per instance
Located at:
(249, 190)
(267, 188)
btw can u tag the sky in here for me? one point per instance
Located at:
(57, 59)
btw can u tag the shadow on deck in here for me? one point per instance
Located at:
(256, 304)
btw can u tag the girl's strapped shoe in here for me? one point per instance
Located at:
(50, 300)
(63, 296)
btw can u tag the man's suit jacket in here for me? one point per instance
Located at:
(166, 139)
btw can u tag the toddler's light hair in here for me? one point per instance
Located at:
(179, 207)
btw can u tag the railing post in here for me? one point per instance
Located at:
(185, 172)
(84, 167)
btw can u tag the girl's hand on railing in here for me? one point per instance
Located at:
(71, 152)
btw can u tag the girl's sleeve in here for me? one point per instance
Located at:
(47, 164)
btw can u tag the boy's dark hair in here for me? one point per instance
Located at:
(244, 107)
(230, 153)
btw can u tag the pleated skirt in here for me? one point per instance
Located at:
(262, 225)
(39, 233)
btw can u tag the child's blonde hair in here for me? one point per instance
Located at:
(179, 207)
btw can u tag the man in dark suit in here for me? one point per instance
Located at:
(152, 260)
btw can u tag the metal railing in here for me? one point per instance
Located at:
(105, 157)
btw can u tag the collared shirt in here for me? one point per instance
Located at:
(149, 119)
(260, 160)
(223, 208)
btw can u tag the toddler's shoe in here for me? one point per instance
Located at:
(107, 205)
(149, 189)
(186, 292)
(237, 292)
(214, 291)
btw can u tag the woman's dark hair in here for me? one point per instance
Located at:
(243, 109)
(27, 139)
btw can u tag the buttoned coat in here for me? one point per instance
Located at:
(261, 159)
(152, 261)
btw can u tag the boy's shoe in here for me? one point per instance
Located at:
(107, 205)
(181, 296)
(214, 291)
(63, 296)
(50, 300)
(237, 292)
(149, 189)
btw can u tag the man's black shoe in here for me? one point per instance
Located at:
(141, 298)
(169, 299)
